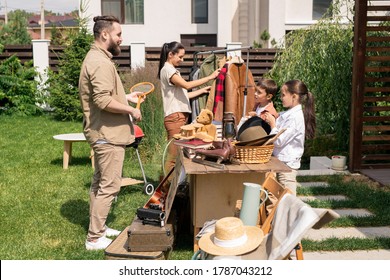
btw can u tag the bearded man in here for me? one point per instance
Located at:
(107, 125)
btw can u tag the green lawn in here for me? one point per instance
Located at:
(44, 209)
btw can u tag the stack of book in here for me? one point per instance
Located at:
(190, 146)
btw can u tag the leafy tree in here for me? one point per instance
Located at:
(321, 56)
(63, 85)
(15, 31)
(56, 35)
(18, 88)
(265, 36)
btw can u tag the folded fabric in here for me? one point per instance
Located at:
(293, 218)
(208, 226)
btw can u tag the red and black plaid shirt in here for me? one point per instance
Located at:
(220, 87)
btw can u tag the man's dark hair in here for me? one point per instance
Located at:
(101, 23)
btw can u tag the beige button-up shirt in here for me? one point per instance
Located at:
(99, 84)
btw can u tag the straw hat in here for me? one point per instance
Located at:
(231, 238)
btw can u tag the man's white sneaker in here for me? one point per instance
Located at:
(111, 232)
(100, 244)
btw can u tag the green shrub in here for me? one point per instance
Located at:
(321, 56)
(152, 111)
(18, 88)
(63, 85)
(15, 31)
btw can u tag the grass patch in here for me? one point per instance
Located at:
(361, 193)
(347, 244)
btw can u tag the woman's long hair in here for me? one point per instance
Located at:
(172, 47)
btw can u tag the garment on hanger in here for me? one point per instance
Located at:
(208, 66)
(195, 108)
(236, 60)
(194, 73)
(218, 104)
(235, 85)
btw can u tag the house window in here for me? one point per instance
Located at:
(320, 7)
(112, 8)
(200, 11)
(196, 40)
(127, 11)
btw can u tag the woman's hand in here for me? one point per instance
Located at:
(215, 74)
(206, 89)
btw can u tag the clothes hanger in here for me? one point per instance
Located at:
(237, 60)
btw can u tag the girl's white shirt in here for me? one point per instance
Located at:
(289, 146)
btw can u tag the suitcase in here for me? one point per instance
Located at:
(117, 250)
(143, 237)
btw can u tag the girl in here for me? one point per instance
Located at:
(175, 94)
(299, 120)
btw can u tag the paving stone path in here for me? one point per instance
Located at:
(340, 233)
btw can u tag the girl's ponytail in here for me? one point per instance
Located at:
(309, 115)
(306, 99)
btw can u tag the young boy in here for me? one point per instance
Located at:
(265, 91)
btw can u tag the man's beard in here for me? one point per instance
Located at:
(113, 48)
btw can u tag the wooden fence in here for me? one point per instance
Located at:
(370, 117)
(260, 60)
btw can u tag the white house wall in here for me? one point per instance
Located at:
(232, 20)
(166, 20)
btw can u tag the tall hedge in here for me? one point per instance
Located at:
(18, 88)
(321, 56)
(63, 85)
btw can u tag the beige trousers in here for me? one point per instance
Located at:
(288, 180)
(106, 184)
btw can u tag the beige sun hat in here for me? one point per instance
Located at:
(252, 133)
(231, 238)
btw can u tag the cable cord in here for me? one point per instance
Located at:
(164, 155)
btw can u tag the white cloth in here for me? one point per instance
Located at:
(289, 146)
(293, 218)
(175, 98)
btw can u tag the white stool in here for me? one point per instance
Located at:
(68, 139)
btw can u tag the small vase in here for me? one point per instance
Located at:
(339, 163)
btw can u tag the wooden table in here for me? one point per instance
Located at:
(214, 192)
(68, 139)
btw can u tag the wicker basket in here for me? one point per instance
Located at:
(254, 154)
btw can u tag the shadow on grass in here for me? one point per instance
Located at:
(77, 212)
(79, 161)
